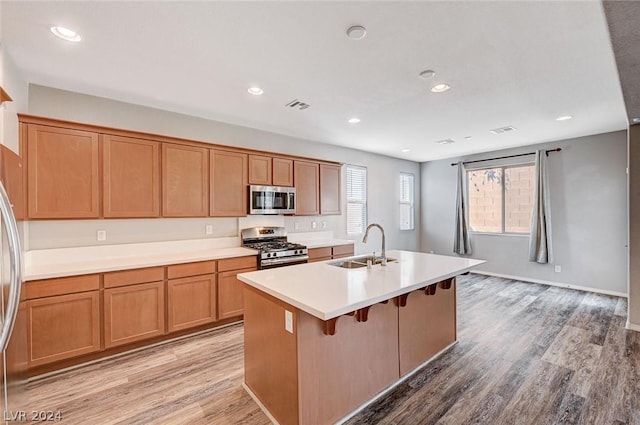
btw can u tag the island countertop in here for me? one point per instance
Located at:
(326, 291)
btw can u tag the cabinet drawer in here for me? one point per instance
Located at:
(319, 254)
(61, 286)
(237, 263)
(131, 277)
(343, 250)
(191, 269)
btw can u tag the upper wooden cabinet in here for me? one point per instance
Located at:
(329, 189)
(260, 169)
(131, 177)
(228, 195)
(282, 172)
(307, 179)
(12, 177)
(63, 173)
(185, 181)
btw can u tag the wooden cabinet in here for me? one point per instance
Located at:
(133, 313)
(330, 189)
(330, 252)
(131, 177)
(260, 170)
(62, 326)
(266, 170)
(307, 178)
(228, 195)
(230, 300)
(282, 172)
(63, 173)
(191, 295)
(12, 177)
(185, 181)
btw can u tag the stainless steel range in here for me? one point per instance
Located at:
(275, 250)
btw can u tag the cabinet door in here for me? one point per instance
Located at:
(282, 172)
(307, 179)
(62, 327)
(63, 173)
(191, 301)
(329, 189)
(341, 251)
(133, 313)
(230, 303)
(259, 169)
(12, 176)
(228, 197)
(130, 177)
(185, 181)
(319, 254)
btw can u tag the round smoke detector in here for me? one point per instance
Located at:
(356, 32)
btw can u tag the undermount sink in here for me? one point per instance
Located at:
(358, 262)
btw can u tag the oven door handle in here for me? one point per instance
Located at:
(284, 260)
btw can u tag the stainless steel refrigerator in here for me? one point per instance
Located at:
(13, 339)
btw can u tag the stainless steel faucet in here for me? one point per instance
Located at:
(383, 258)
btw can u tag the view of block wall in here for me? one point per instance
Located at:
(486, 197)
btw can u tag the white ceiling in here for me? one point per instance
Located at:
(508, 63)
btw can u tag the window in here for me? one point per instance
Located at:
(356, 199)
(501, 199)
(406, 201)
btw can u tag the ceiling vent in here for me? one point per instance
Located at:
(445, 142)
(501, 130)
(295, 103)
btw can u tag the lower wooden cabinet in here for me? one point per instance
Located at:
(63, 326)
(133, 313)
(230, 302)
(191, 301)
(328, 252)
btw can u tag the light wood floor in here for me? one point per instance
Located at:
(527, 354)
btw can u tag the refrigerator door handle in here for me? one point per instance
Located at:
(15, 262)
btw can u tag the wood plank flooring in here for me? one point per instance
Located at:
(527, 354)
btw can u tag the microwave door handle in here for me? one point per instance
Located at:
(291, 201)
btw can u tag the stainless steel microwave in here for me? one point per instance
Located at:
(272, 200)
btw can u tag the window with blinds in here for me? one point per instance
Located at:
(406, 202)
(356, 199)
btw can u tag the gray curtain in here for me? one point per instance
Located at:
(540, 249)
(462, 242)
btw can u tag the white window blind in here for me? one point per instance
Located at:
(356, 199)
(406, 202)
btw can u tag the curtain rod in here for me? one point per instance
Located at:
(508, 156)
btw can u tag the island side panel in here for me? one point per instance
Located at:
(270, 363)
(427, 324)
(338, 373)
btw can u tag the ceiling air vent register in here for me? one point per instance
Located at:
(295, 103)
(445, 142)
(501, 130)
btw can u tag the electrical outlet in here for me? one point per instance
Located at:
(431, 252)
(208, 229)
(102, 235)
(288, 321)
(314, 224)
(557, 269)
(296, 225)
(324, 224)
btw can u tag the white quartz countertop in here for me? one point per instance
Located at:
(77, 261)
(326, 291)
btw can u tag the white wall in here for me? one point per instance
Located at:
(383, 175)
(589, 215)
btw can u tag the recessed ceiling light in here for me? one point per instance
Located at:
(564, 118)
(445, 142)
(405, 150)
(427, 73)
(354, 120)
(356, 32)
(66, 33)
(636, 120)
(256, 91)
(440, 88)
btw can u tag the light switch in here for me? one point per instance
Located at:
(288, 321)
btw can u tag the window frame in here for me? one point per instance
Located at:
(411, 203)
(502, 167)
(364, 202)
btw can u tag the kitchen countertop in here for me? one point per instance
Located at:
(326, 291)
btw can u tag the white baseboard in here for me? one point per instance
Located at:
(631, 326)
(558, 284)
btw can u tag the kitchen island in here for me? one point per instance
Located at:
(322, 340)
